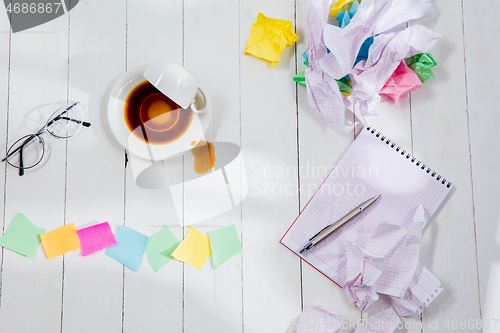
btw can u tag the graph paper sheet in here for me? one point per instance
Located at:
(373, 165)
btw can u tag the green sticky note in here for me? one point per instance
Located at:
(22, 236)
(421, 64)
(344, 85)
(224, 243)
(300, 78)
(160, 246)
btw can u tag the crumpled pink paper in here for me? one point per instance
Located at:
(362, 272)
(385, 262)
(386, 53)
(322, 90)
(383, 322)
(401, 83)
(372, 17)
(423, 289)
(318, 319)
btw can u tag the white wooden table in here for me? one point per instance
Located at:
(450, 123)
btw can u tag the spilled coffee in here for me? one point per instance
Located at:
(153, 117)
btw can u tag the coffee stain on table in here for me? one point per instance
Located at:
(204, 157)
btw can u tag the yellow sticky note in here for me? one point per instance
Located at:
(269, 37)
(337, 6)
(194, 249)
(59, 241)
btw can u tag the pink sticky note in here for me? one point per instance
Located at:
(402, 82)
(95, 238)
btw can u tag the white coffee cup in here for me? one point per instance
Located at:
(134, 145)
(175, 82)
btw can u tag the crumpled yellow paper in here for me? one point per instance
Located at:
(269, 37)
(337, 6)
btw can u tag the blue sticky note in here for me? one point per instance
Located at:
(340, 17)
(363, 51)
(345, 20)
(130, 248)
(353, 8)
(365, 47)
(304, 55)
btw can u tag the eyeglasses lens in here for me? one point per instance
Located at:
(32, 152)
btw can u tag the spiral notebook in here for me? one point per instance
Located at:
(373, 165)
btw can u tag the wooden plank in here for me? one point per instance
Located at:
(95, 169)
(31, 288)
(394, 121)
(213, 298)
(320, 148)
(153, 301)
(5, 35)
(271, 274)
(439, 118)
(480, 32)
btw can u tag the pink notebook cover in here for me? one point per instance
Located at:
(373, 165)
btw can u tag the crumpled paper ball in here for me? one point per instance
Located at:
(421, 65)
(401, 82)
(269, 37)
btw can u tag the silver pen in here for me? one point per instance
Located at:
(329, 229)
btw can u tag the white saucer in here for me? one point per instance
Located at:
(116, 104)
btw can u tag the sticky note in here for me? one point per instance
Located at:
(194, 249)
(344, 19)
(306, 59)
(353, 8)
(95, 238)
(344, 86)
(60, 241)
(300, 78)
(22, 236)
(269, 37)
(364, 50)
(224, 243)
(130, 248)
(337, 6)
(421, 65)
(401, 82)
(160, 246)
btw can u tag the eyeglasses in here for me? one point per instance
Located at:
(28, 151)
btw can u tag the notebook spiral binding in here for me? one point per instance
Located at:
(409, 157)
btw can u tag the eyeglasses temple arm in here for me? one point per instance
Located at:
(83, 123)
(21, 164)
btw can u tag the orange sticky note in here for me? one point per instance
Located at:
(59, 241)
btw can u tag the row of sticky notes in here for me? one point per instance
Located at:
(127, 246)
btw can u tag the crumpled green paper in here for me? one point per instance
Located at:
(344, 84)
(269, 37)
(300, 78)
(421, 64)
